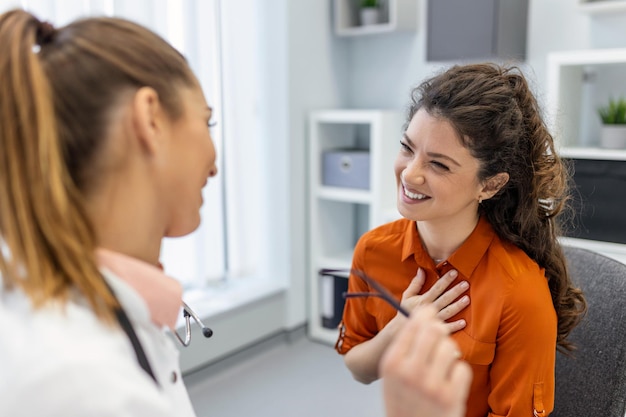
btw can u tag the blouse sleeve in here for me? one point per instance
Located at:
(522, 374)
(357, 325)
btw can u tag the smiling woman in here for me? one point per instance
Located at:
(481, 189)
(438, 180)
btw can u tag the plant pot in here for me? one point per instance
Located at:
(370, 16)
(613, 137)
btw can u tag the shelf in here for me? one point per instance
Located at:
(578, 83)
(593, 153)
(338, 216)
(602, 7)
(340, 260)
(347, 195)
(587, 57)
(324, 335)
(395, 16)
(348, 116)
(338, 225)
(366, 30)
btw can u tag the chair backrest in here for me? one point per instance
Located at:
(592, 383)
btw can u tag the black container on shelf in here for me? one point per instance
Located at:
(332, 286)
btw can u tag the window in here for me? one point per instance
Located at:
(227, 244)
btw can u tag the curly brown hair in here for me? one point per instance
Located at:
(498, 119)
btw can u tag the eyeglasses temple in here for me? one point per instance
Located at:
(382, 292)
(385, 297)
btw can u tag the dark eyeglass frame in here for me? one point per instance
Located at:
(381, 292)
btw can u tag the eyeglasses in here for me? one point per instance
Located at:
(187, 314)
(381, 292)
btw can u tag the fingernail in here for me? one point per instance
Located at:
(453, 273)
(465, 285)
(465, 299)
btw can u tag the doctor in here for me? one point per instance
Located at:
(104, 149)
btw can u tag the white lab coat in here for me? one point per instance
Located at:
(64, 362)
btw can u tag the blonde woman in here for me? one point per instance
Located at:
(104, 150)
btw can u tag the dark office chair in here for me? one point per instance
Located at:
(592, 383)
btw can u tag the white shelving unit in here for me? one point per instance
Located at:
(338, 215)
(602, 7)
(578, 83)
(395, 16)
(572, 100)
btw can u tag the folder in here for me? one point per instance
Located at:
(332, 286)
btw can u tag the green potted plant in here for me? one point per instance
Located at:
(613, 117)
(370, 11)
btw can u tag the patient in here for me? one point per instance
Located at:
(481, 190)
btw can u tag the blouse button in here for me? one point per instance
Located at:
(174, 377)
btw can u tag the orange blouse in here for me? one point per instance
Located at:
(510, 336)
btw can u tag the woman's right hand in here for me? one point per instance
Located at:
(442, 298)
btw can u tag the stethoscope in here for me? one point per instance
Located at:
(188, 313)
(142, 359)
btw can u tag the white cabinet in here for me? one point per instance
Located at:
(460, 30)
(394, 16)
(340, 215)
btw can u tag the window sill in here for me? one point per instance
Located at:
(210, 302)
(240, 313)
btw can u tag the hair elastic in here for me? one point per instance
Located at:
(45, 33)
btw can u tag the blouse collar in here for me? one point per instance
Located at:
(161, 293)
(465, 258)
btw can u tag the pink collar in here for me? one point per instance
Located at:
(162, 294)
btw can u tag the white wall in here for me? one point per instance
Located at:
(315, 69)
(383, 68)
(313, 61)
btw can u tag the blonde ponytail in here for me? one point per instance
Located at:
(49, 241)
